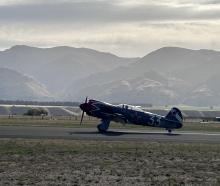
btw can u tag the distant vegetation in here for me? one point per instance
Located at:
(36, 112)
(58, 103)
(41, 103)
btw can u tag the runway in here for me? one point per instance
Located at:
(113, 134)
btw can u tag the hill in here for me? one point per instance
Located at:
(169, 75)
(16, 86)
(58, 67)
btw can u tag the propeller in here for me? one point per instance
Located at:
(83, 112)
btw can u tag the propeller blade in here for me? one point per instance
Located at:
(83, 112)
(82, 118)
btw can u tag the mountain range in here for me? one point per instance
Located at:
(16, 86)
(167, 76)
(59, 66)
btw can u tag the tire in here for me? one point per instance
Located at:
(100, 130)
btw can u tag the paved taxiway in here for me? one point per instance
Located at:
(113, 134)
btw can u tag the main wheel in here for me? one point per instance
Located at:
(99, 127)
(170, 131)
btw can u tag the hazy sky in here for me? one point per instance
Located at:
(123, 27)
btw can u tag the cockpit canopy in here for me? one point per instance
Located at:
(130, 107)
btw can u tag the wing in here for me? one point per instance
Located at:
(115, 117)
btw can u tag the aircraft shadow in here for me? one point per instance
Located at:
(119, 133)
(78, 132)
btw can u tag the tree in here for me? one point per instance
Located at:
(36, 112)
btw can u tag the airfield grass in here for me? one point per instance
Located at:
(66, 162)
(89, 122)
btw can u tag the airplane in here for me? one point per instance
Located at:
(128, 114)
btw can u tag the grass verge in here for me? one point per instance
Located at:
(92, 123)
(63, 162)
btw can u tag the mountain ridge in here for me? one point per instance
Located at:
(169, 75)
(185, 71)
(56, 66)
(16, 86)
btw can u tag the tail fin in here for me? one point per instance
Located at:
(175, 115)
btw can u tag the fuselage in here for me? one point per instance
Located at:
(127, 114)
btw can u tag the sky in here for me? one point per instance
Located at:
(127, 28)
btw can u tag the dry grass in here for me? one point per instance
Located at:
(90, 122)
(61, 162)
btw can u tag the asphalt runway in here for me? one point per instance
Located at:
(111, 135)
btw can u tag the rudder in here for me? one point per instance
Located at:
(175, 115)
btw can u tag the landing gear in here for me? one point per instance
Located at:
(103, 127)
(169, 131)
(100, 129)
